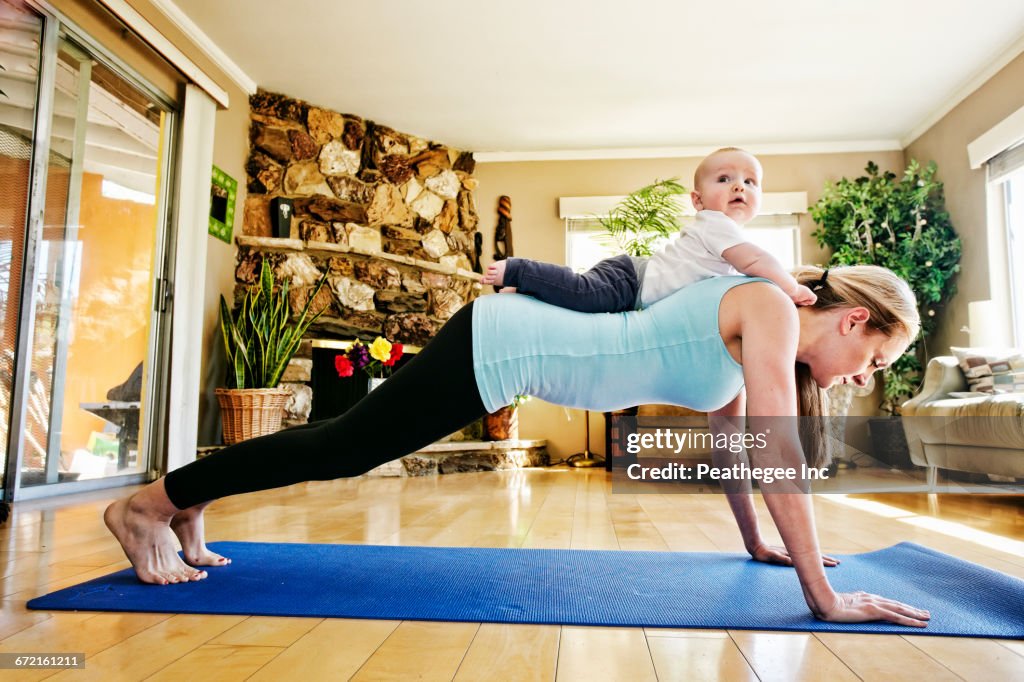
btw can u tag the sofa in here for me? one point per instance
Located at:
(981, 434)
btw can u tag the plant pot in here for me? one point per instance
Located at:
(889, 442)
(502, 425)
(250, 412)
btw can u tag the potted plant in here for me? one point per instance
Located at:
(899, 223)
(645, 216)
(503, 424)
(260, 340)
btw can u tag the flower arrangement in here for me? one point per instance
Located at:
(377, 360)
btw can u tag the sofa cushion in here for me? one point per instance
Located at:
(990, 370)
(991, 421)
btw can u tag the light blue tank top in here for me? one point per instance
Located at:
(669, 353)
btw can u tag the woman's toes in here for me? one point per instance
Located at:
(152, 578)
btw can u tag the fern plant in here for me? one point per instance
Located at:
(259, 337)
(645, 216)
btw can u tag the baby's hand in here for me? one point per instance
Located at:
(803, 296)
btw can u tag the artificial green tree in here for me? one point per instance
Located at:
(899, 223)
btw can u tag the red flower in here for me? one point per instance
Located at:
(342, 365)
(396, 354)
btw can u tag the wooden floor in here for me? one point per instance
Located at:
(49, 545)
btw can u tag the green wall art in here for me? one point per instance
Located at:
(223, 192)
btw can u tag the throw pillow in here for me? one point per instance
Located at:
(991, 371)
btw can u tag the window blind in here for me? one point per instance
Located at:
(1005, 163)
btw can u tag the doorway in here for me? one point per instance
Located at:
(84, 169)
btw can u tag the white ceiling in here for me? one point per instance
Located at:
(536, 75)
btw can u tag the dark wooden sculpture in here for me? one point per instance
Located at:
(503, 233)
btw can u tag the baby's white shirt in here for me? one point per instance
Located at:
(694, 255)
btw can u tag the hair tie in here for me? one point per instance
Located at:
(820, 284)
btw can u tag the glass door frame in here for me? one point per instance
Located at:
(152, 430)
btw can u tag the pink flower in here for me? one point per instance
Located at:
(342, 365)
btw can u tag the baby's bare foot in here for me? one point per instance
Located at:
(148, 544)
(188, 526)
(495, 274)
(507, 290)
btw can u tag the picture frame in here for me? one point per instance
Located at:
(223, 193)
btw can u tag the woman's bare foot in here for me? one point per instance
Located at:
(147, 541)
(188, 526)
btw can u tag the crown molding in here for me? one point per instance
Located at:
(766, 149)
(206, 45)
(965, 91)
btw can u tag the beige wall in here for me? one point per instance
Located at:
(984, 270)
(535, 188)
(229, 153)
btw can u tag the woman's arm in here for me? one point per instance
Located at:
(769, 329)
(738, 491)
(727, 420)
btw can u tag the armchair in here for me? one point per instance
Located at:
(946, 432)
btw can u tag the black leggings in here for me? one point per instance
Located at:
(434, 394)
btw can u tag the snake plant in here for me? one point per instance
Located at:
(259, 336)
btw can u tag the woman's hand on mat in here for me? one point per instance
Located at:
(771, 554)
(860, 607)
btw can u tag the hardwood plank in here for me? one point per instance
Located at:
(86, 633)
(14, 617)
(972, 659)
(267, 631)
(153, 649)
(685, 632)
(552, 528)
(698, 658)
(789, 657)
(217, 662)
(884, 658)
(511, 653)
(420, 650)
(596, 653)
(333, 650)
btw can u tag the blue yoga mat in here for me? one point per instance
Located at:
(566, 587)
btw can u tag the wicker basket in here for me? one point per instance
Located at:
(250, 412)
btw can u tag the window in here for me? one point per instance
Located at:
(587, 242)
(1006, 170)
(1014, 193)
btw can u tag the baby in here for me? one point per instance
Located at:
(727, 195)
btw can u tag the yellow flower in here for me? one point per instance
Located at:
(380, 349)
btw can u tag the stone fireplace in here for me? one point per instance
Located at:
(389, 217)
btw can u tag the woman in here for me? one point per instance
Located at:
(726, 345)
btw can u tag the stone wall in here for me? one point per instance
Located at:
(390, 216)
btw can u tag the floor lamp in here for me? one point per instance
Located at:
(584, 459)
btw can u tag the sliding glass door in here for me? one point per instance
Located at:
(80, 256)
